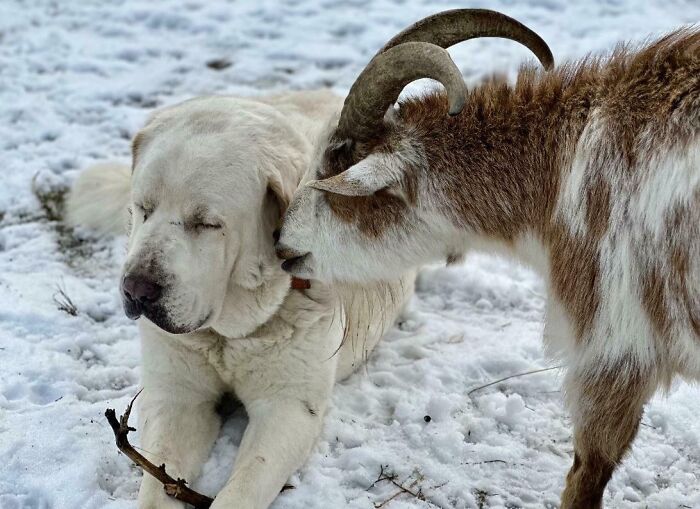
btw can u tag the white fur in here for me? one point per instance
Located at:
(621, 315)
(641, 202)
(247, 332)
(638, 232)
(570, 207)
(99, 199)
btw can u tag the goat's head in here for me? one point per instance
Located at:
(365, 209)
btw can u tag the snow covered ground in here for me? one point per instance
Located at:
(78, 77)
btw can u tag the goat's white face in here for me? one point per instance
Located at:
(367, 222)
(202, 221)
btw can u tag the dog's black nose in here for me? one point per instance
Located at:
(140, 289)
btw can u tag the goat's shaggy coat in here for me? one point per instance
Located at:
(590, 173)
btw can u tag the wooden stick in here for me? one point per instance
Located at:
(175, 488)
(383, 476)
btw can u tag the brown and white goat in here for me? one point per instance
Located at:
(589, 172)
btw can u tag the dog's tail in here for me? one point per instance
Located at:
(99, 199)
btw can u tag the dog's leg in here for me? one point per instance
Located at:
(277, 441)
(177, 432)
(607, 408)
(178, 422)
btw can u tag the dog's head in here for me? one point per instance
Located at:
(211, 178)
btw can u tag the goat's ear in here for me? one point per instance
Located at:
(341, 184)
(363, 179)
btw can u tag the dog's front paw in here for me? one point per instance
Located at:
(153, 496)
(226, 502)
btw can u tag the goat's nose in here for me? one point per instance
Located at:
(276, 235)
(141, 289)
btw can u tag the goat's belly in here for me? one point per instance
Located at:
(684, 309)
(646, 236)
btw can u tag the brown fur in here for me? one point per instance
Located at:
(654, 301)
(372, 215)
(686, 231)
(610, 409)
(496, 169)
(575, 276)
(597, 207)
(499, 162)
(666, 294)
(499, 165)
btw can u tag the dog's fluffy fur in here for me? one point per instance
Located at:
(210, 179)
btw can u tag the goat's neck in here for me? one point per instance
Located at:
(493, 171)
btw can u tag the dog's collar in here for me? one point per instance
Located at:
(300, 284)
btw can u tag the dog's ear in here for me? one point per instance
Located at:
(140, 142)
(137, 146)
(257, 260)
(281, 188)
(154, 123)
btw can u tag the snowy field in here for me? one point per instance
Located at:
(77, 78)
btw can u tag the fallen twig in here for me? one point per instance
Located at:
(64, 302)
(486, 462)
(383, 476)
(512, 376)
(175, 488)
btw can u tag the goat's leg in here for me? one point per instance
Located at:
(607, 408)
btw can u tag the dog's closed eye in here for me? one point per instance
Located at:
(208, 226)
(146, 210)
(203, 219)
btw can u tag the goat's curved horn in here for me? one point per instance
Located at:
(448, 28)
(381, 82)
(392, 68)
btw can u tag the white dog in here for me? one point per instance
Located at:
(209, 182)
